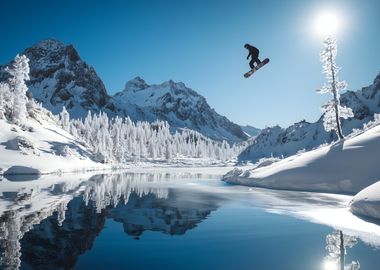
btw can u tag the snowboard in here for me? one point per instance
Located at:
(256, 68)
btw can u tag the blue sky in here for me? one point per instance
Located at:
(201, 44)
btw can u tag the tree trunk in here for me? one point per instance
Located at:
(336, 101)
(342, 251)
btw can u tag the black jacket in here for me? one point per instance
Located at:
(253, 51)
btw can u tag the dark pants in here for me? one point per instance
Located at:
(254, 59)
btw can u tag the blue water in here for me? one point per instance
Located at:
(178, 227)
(234, 237)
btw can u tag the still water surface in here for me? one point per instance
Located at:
(172, 221)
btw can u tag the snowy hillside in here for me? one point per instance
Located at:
(59, 77)
(40, 146)
(344, 167)
(177, 104)
(278, 142)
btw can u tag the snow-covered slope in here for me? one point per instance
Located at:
(367, 202)
(40, 146)
(278, 142)
(59, 77)
(344, 167)
(177, 104)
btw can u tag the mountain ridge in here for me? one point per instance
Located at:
(303, 136)
(59, 77)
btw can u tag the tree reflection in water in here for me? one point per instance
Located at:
(336, 246)
(52, 226)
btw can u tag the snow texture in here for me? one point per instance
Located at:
(304, 136)
(344, 167)
(367, 202)
(40, 146)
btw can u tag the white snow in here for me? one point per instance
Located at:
(40, 146)
(177, 104)
(345, 167)
(367, 202)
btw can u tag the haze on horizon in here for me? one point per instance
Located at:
(201, 44)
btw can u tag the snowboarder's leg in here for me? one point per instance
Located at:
(251, 63)
(254, 59)
(257, 60)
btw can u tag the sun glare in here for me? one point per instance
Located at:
(329, 265)
(327, 23)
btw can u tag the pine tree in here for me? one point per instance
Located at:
(5, 100)
(20, 73)
(332, 110)
(65, 119)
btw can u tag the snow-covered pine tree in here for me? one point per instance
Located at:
(64, 119)
(5, 100)
(20, 73)
(332, 110)
(122, 140)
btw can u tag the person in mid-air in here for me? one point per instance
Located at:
(254, 53)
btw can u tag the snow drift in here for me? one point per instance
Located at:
(346, 167)
(367, 202)
(40, 146)
(284, 142)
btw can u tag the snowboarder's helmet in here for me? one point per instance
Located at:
(246, 45)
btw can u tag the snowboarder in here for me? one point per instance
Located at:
(254, 53)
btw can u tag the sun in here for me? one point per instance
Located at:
(327, 23)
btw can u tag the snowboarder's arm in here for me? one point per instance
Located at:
(249, 54)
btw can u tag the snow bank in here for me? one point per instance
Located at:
(344, 167)
(40, 146)
(367, 202)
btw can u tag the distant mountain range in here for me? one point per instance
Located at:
(283, 142)
(59, 77)
(251, 131)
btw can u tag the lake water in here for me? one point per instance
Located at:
(173, 221)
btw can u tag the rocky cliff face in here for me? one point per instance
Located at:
(283, 142)
(59, 77)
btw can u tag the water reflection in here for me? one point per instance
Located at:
(336, 245)
(67, 216)
(50, 222)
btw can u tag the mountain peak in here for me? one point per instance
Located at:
(58, 77)
(49, 44)
(136, 84)
(175, 85)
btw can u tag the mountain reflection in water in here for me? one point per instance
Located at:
(53, 226)
(51, 222)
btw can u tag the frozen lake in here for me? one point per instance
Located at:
(172, 220)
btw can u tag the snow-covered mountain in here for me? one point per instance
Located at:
(59, 77)
(283, 142)
(177, 104)
(250, 130)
